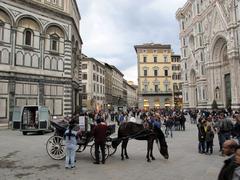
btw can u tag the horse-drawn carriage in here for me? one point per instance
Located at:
(55, 145)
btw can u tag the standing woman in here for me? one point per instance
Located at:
(70, 137)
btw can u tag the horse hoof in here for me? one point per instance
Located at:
(153, 158)
(149, 160)
(122, 158)
(127, 157)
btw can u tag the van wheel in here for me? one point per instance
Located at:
(24, 133)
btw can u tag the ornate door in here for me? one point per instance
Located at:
(228, 94)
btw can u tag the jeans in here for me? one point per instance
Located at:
(70, 156)
(167, 131)
(201, 147)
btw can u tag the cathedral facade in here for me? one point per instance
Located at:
(210, 39)
(40, 52)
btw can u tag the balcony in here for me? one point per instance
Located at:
(156, 93)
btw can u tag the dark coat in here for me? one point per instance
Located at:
(209, 136)
(201, 133)
(100, 133)
(227, 170)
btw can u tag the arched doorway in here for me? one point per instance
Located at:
(221, 72)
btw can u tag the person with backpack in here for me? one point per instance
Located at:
(226, 128)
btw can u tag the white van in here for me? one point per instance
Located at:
(31, 119)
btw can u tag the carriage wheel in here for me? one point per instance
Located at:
(111, 149)
(55, 147)
(92, 152)
(80, 148)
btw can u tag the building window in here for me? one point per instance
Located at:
(179, 76)
(84, 88)
(155, 59)
(165, 59)
(94, 67)
(166, 72)
(204, 95)
(198, 9)
(199, 27)
(28, 37)
(84, 66)
(183, 27)
(185, 77)
(155, 72)
(166, 87)
(145, 72)
(184, 42)
(154, 51)
(54, 42)
(1, 30)
(156, 88)
(145, 87)
(185, 65)
(144, 59)
(200, 41)
(85, 76)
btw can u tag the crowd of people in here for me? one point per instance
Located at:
(96, 123)
(223, 125)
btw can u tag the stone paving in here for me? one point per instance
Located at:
(25, 157)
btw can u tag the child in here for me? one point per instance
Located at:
(70, 137)
(209, 140)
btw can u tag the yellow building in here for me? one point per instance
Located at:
(176, 77)
(155, 75)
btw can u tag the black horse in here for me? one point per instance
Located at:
(137, 131)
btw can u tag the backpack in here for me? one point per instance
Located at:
(226, 126)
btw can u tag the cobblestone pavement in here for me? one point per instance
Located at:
(25, 157)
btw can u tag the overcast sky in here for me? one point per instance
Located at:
(111, 28)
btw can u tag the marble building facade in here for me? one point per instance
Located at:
(40, 52)
(210, 38)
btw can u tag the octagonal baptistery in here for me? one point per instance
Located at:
(40, 51)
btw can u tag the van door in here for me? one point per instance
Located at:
(43, 117)
(16, 118)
